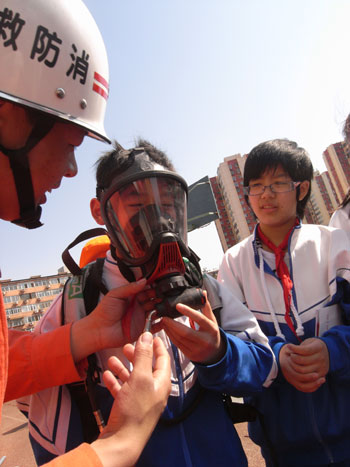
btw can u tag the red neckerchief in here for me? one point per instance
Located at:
(282, 270)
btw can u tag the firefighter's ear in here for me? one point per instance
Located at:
(95, 208)
(16, 124)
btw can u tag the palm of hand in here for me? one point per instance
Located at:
(112, 315)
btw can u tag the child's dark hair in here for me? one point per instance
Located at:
(117, 160)
(270, 154)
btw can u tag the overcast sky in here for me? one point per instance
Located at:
(203, 80)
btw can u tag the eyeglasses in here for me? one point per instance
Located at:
(276, 187)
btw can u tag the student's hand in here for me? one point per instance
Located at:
(139, 401)
(311, 356)
(306, 365)
(103, 328)
(203, 345)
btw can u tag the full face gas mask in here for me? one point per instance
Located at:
(145, 212)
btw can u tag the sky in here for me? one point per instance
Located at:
(202, 80)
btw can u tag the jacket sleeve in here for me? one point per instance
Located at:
(337, 338)
(340, 219)
(83, 455)
(243, 371)
(249, 363)
(39, 361)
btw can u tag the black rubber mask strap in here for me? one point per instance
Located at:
(29, 212)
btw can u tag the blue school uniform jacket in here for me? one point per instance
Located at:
(303, 429)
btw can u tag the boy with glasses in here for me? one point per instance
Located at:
(295, 279)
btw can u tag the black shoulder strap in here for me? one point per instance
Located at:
(88, 423)
(84, 393)
(67, 259)
(92, 284)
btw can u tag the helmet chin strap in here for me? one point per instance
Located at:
(30, 212)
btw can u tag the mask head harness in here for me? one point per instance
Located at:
(145, 211)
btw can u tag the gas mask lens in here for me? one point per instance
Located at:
(141, 212)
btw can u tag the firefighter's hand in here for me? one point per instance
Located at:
(140, 398)
(202, 344)
(305, 366)
(104, 327)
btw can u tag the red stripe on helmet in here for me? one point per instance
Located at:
(101, 80)
(100, 90)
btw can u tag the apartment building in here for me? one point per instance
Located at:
(26, 300)
(236, 220)
(323, 200)
(223, 224)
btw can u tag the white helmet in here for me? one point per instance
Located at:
(53, 59)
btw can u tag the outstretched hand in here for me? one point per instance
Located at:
(102, 328)
(202, 344)
(305, 366)
(140, 398)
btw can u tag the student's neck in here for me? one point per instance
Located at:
(276, 234)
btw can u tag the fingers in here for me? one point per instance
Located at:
(302, 382)
(111, 383)
(309, 378)
(204, 318)
(304, 369)
(181, 336)
(202, 346)
(307, 347)
(307, 364)
(206, 309)
(126, 290)
(118, 368)
(143, 354)
(309, 387)
(291, 348)
(129, 352)
(311, 356)
(179, 332)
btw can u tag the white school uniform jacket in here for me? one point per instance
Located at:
(341, 219)
(303, 429)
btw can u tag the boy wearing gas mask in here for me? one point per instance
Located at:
(142, 202)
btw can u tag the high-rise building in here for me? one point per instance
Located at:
(323, 200)
(336, 158)
(236, 220)
(223, 224)
(26, 300)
